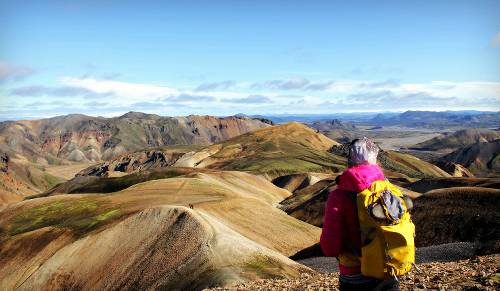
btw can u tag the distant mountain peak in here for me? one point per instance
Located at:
(439, 119)
(136, 114)
(333, 124)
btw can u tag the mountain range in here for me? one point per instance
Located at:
(179, 208)
(82, 138)
(415, 119)
(435, 119)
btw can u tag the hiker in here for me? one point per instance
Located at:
(341, 235)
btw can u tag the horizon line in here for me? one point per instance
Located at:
(251, 115)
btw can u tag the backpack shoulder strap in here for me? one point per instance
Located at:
(353, 196)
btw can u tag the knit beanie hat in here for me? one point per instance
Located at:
(362, 151)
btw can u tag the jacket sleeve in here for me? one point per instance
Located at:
(333, 226)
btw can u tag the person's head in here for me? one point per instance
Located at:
(362, 151)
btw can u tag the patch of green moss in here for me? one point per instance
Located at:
(258, 264)
(494, 164)
(51, 180)
(80, 215)
(276, 166)
(39, 167)
(393, 162)
(477, 167)
(264, 267)
(227, 151)
(88, 148)
(269, 146)
(52, 160)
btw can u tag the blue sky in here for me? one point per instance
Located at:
(256, 57)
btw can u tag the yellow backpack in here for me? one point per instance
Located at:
(387, 232)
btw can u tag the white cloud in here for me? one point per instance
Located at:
(131, 91)
(342, 95)
(463, 90)
(292, 84)
(250, 100)
(137, 92)
(215, 85)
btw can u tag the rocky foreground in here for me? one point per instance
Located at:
(478, 273)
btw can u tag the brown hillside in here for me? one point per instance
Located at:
(308, 204)
(20, 178)
(458, 214)
(148, 229)
(159, 247)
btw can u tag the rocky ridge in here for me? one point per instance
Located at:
(80, 138)
(481, 158)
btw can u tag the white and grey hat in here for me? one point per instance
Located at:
(362, 151)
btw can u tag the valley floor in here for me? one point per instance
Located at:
(477, 273)
(67, 172)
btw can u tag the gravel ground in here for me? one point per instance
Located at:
(440, 253)
(451, 266)
(477, 273)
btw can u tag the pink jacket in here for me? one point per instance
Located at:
(340, 224)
